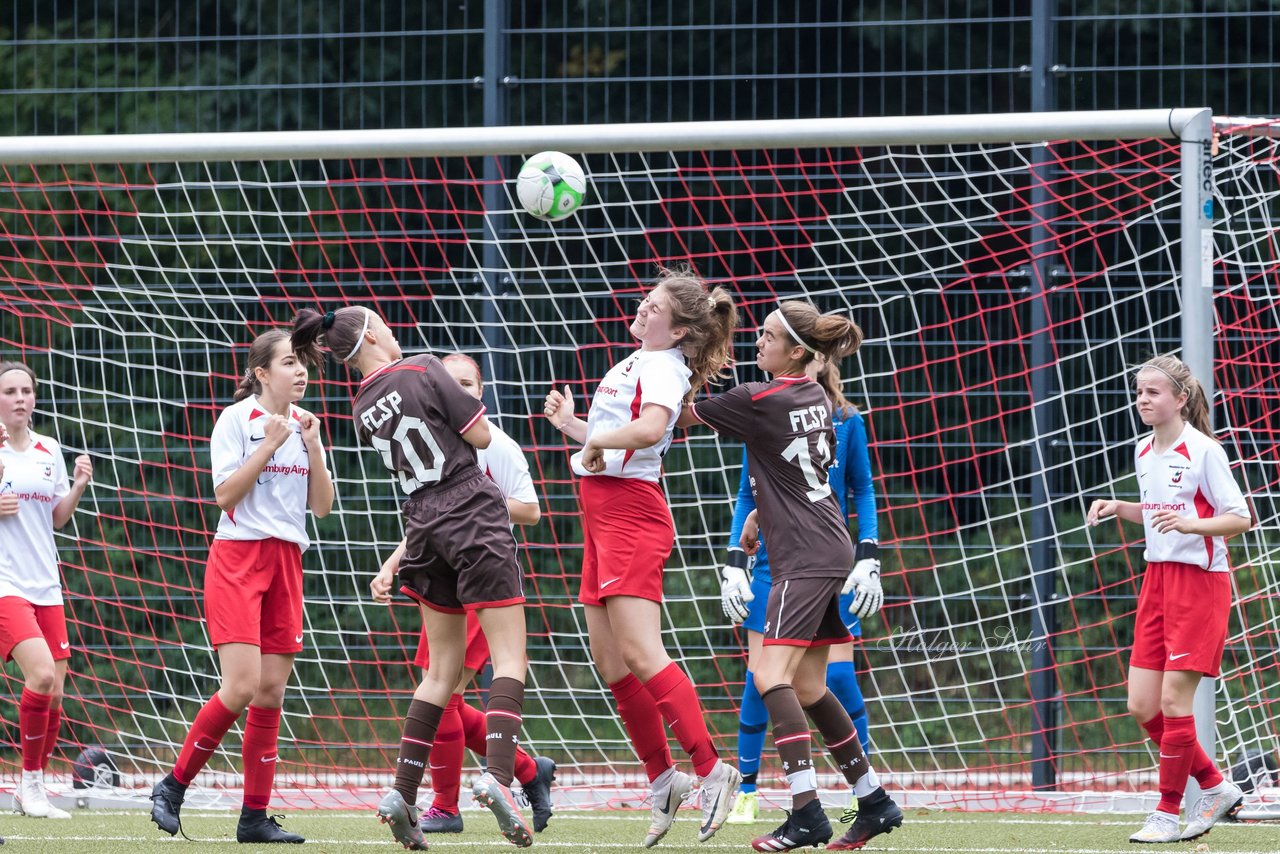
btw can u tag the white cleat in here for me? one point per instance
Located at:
(669, 792)
(1212, 807)
(31, 799)
(1159, 827)
(719, 791)
(490, 793)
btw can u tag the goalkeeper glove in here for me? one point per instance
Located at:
(735, 587)
(864, 581)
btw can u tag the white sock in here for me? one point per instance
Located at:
(866, 785)
(803, 781)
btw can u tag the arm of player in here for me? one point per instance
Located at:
(478, 435)
(381, 584)
(319, 482)
(523, 512)
(1226, 525)
(1104, 508)
(645, 432)
(558, 409)
(750, 537)
(66, 508)
(236, 487)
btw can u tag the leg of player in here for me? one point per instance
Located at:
(260, 754)
(876, 811)
(753, 721)
(241, 668)
(637, 631)
(447, 638)
(446, 765)
(41, 684)
(842, 679)
(504, 628)
(781, 665)
(642, 719)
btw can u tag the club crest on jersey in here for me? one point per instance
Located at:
(631, 363)
(48, 472)
(1177, 478)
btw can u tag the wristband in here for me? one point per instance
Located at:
(737, 558)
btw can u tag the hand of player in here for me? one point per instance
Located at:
(864, 582)
(276, 431)
(1101, 509)
(558, 408)
(8, 504)
(1166, 521)
(749, 540)
(735, 588)
(83, 472)
(4, 434)
(381, 584)
(310, 430)
(593, 458)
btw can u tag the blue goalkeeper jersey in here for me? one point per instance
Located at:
(850, 473)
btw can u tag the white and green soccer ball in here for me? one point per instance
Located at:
(551, 185)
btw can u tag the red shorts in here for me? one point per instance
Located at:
(627, 536)
(477, 646)
(1182, 619)
(21, 620)
(253, 594)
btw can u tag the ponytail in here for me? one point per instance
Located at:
(337, 331)
(829, 379)
(709, 318)
(833, 335)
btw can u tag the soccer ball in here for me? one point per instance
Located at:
(551, 185)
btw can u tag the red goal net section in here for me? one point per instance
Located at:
(1009, 272)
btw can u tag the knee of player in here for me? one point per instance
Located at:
(236, 695)
(643, 660)
(1143, 709)
(42, 678)
(1175, 705)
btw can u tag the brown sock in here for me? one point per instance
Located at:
(502, 718)
(840, 737)
(791, 737)
(415, 745)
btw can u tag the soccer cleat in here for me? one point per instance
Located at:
(257, 826)
(667, 798)
(31, 799)
(719, 790)
(439, 821)
(1213, 808)
(538, 791)
(403, 819)
(746, 810)
(497, 797)
(806, 826)
(1159, 827)
(868, 823)
(166, 804)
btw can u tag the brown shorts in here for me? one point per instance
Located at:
(805, 612)
(459, 553)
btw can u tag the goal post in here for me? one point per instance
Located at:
(1008, 271)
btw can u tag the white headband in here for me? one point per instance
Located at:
(782, 318)
(356, 349)
(1179, 386)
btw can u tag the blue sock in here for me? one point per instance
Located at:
(842, 679)
(752, 724)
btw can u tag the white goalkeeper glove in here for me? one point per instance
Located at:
(864, 581)
(735, 587)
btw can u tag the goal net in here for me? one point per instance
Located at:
(1006, 290)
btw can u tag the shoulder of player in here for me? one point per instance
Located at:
(44, 444)
(668, 360)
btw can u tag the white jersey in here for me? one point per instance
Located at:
(646, 376)
(28, 559)
(1192, 478)
(504, 463)
(276, 505)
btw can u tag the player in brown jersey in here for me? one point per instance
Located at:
(786, 425)
(458, 554)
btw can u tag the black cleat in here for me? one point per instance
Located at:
(166, 804)
(257, 826)
(538, 791)
(439, 821)
(869, 822)
(804, 827)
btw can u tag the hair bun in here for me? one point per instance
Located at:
(327, 321)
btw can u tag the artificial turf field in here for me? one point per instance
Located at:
(924, 831)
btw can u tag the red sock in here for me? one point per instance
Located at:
(643, 722)
(1202, 767)
(33, 723)
(474, 730)
(678, 702)
(210, 725)
(260, 754)
(51, 735)
(1177, 750)
(445, 761)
